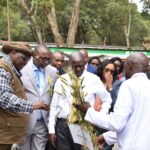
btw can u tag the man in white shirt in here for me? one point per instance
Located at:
(61, 104)
(130, 118)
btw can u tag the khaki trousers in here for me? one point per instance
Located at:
(5, 146)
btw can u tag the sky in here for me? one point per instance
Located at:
(139, 4)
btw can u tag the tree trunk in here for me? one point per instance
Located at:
(51, 16)
(73, 24)
(127, 31)
(31, 14)
(127, 38)
(36, 29)
(8, 22)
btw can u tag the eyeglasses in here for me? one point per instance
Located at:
(109, 70)
(43, 58)
(24, 57)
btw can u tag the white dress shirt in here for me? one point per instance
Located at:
(110, 137)
(61, 104)
(130, 118)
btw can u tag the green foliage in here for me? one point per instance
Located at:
(99, 19)
(20, 29)
(48, 3)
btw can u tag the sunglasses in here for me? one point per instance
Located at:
(109, 70)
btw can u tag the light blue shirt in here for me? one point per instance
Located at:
(39, 74)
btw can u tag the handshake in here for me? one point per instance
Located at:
(40, 105)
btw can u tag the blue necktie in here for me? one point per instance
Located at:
(37, 79)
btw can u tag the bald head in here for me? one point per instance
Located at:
(42, 56)
(77, 62)
(85, 54)
(138, 58)
(57, 59)
(56, 53)
(41, 48)
(136, 62)
(76, 56)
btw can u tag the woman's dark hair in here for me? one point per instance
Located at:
(118, 59)
(100, 69)
(90, 60)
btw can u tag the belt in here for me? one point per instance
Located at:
(40, 119)
(62, 119)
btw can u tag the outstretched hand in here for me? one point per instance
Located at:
(52, 138)
(82, 107)
(41, 105)
(100, 141)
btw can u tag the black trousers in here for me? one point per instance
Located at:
(49, 146)
(64, 138)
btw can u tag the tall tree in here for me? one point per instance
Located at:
(73, 24)
(31, 10)
(98, 20)
(127, 26)
(18, 24)
(8, 22)
(49, 10)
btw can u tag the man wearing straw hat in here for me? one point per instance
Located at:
(13, 105)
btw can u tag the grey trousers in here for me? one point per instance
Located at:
(37, 139)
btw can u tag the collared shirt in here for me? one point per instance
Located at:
(61, 104)
(8, 100)
(130, 118)
(8, 61)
